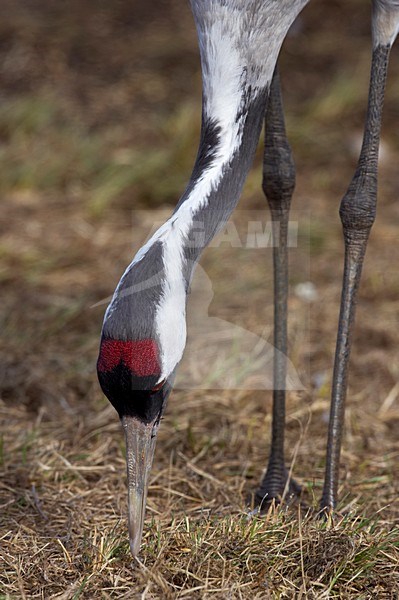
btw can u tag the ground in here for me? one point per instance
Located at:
(99, 121)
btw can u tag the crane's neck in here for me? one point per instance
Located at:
(150, 300)
(239, 44)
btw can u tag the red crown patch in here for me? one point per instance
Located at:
(140, 356)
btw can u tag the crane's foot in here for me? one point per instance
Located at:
(276, 487)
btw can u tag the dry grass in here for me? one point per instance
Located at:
(63, 506)
(78, 126)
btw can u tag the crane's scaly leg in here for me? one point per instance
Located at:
(278, 186)
(357, 212)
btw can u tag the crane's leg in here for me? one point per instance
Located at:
(278, 186)
(357, 211)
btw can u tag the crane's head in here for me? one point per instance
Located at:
(143, 339)
(129, 373)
